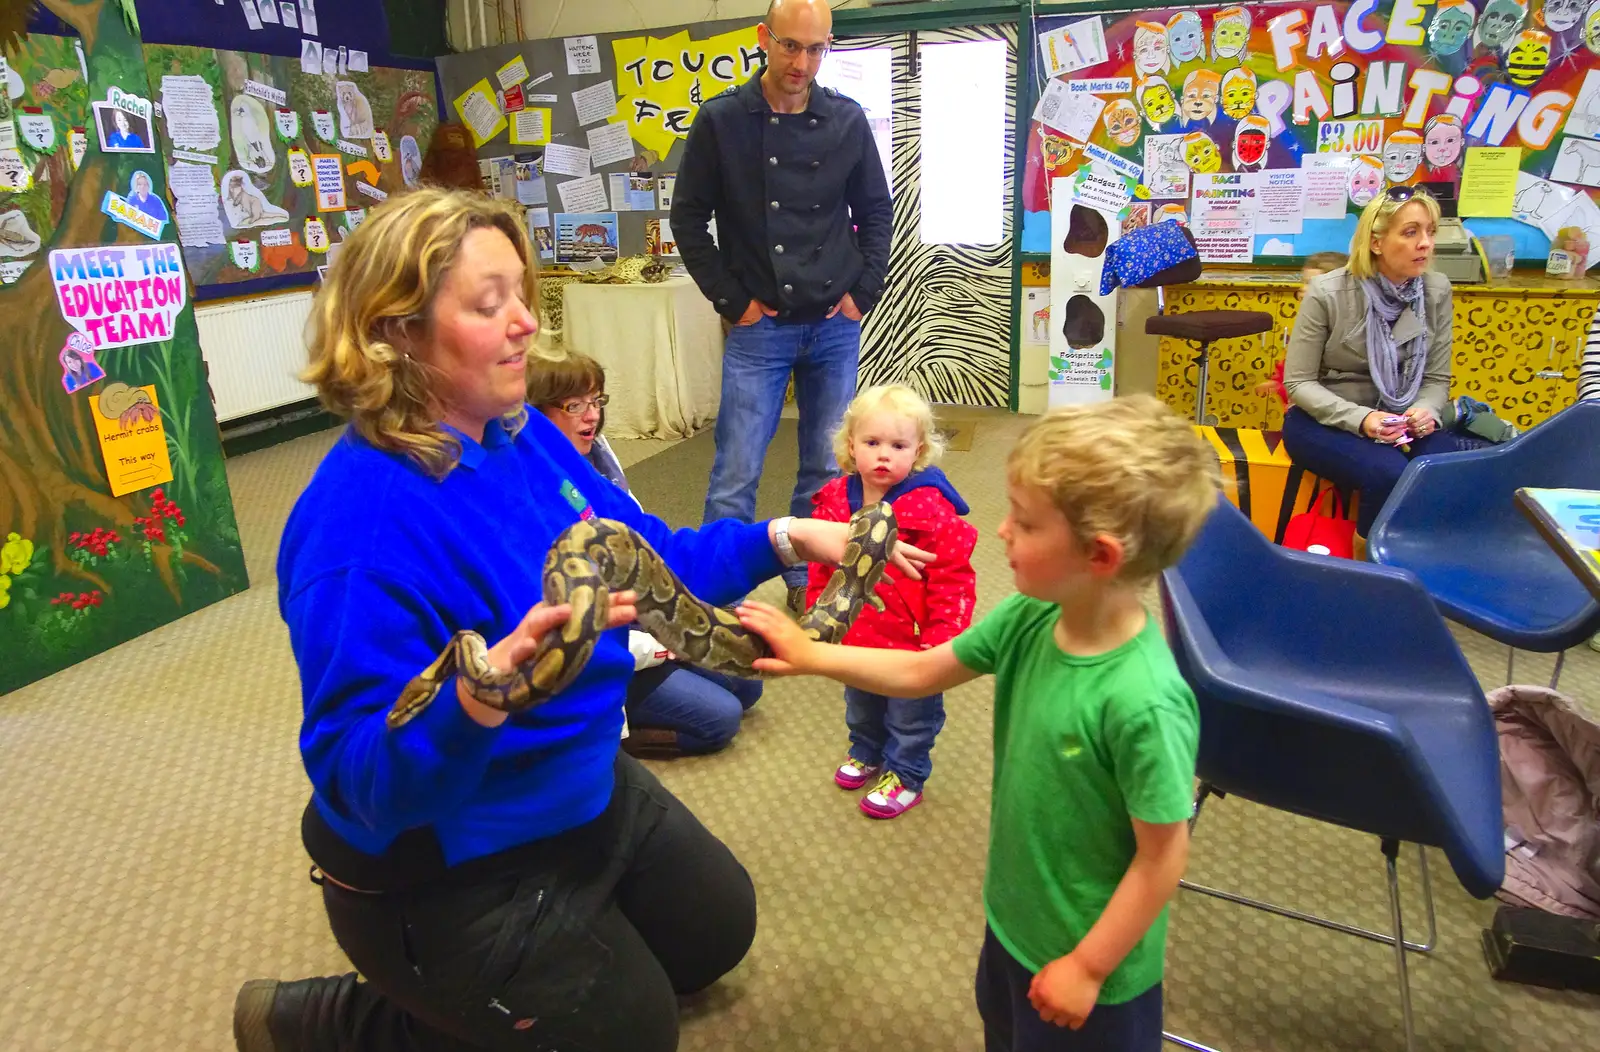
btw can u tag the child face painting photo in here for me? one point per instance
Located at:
(1230, 32)
(1150, 49)
(1238, 93)
(1366, 179)
(1122, 122)
(1185, 37)
(1450, 29)
(1201, 154)
(1401, 156)
(1250, 143)
(1499, 23)
(1155, 97)
(1442, 142)
(1200, 96)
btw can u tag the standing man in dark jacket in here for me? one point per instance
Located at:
(791, 174)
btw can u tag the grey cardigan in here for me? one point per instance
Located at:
(1325, 369)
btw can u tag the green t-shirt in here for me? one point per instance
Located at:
(1081, 746)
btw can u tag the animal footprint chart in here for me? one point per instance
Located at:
(248, 130)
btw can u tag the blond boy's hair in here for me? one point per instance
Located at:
(892, 398)
(1131, 469)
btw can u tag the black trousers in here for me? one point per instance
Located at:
(582, 950)
(1012, 1024)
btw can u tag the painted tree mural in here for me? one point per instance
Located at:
(81, 570)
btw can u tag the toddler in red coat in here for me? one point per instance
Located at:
(887, 446)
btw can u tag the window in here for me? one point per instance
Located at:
(963, 142)
(866, 76)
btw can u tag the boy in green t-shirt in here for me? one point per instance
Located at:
(1095, 731)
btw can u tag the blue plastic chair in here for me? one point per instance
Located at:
(1452, 522)
(1332, 689)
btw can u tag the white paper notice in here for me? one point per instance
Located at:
(528, 127)
(252, 16)
(512, 73)
(584, 195)
(310, 57)
(617, 186)
(8, 134)
(1584, 119)
(1223, 217)
(358, 62)
(610, 144)
(1105, 193)
(1281, 201)
(538, 217)
(191, 180)
(1073, 47)
(191, 115)
(540, 99)
(308, 17)
(540, 79)
(481, 115)
(278, 237)
(665, 185)
(1326, 176)
(197, 158)
(597, 102)
(583, 55)
(567, 160)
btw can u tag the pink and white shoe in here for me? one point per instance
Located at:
(889, 799)
(853, 774)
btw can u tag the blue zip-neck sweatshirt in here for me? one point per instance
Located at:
(380, 564)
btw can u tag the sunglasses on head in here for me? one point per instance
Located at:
(1401, 194)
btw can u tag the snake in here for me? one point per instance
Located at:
(594, 558)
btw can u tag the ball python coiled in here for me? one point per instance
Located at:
(593, 558)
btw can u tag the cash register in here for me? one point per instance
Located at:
(1456, 253)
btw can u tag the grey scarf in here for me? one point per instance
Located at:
(1396, 370)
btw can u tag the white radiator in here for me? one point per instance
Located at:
(255, 348)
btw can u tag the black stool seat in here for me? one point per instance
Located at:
(1204, 326)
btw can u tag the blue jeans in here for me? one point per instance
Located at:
(1012, 1024)
(896, 732)
(756, 363)
(704, 707)
(1352, 461)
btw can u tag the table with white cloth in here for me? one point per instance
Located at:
(661, 346)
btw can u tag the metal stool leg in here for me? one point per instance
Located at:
(1391, 850)
(1202, 381)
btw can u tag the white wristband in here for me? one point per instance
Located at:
(780, 541)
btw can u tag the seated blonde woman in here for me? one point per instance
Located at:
(672, 707)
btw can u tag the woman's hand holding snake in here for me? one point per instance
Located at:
(523, 640)
(788, 641)
(819, 541)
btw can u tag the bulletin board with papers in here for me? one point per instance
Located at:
(1266, 127)
(585, 132)
(273, 160)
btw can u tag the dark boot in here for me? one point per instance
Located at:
(652, 743)
(299, 1016)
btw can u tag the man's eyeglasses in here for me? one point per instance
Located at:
(578, 406)
(793, 48)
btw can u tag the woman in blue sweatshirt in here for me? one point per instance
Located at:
(498, 882)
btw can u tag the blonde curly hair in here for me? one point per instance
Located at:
(891, 398)
(375, 306)
(1129, 468)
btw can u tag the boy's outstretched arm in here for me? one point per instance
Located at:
(1065, 990)
(896, 673)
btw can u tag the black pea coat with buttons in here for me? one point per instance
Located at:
(802, 209)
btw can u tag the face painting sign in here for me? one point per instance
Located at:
(662, 82)
(1407, 84)
(120, 295)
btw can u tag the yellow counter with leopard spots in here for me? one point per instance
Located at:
(1518, 343)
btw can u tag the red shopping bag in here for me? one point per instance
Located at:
(1313, 531)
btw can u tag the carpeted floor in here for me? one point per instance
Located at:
(150, 800)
